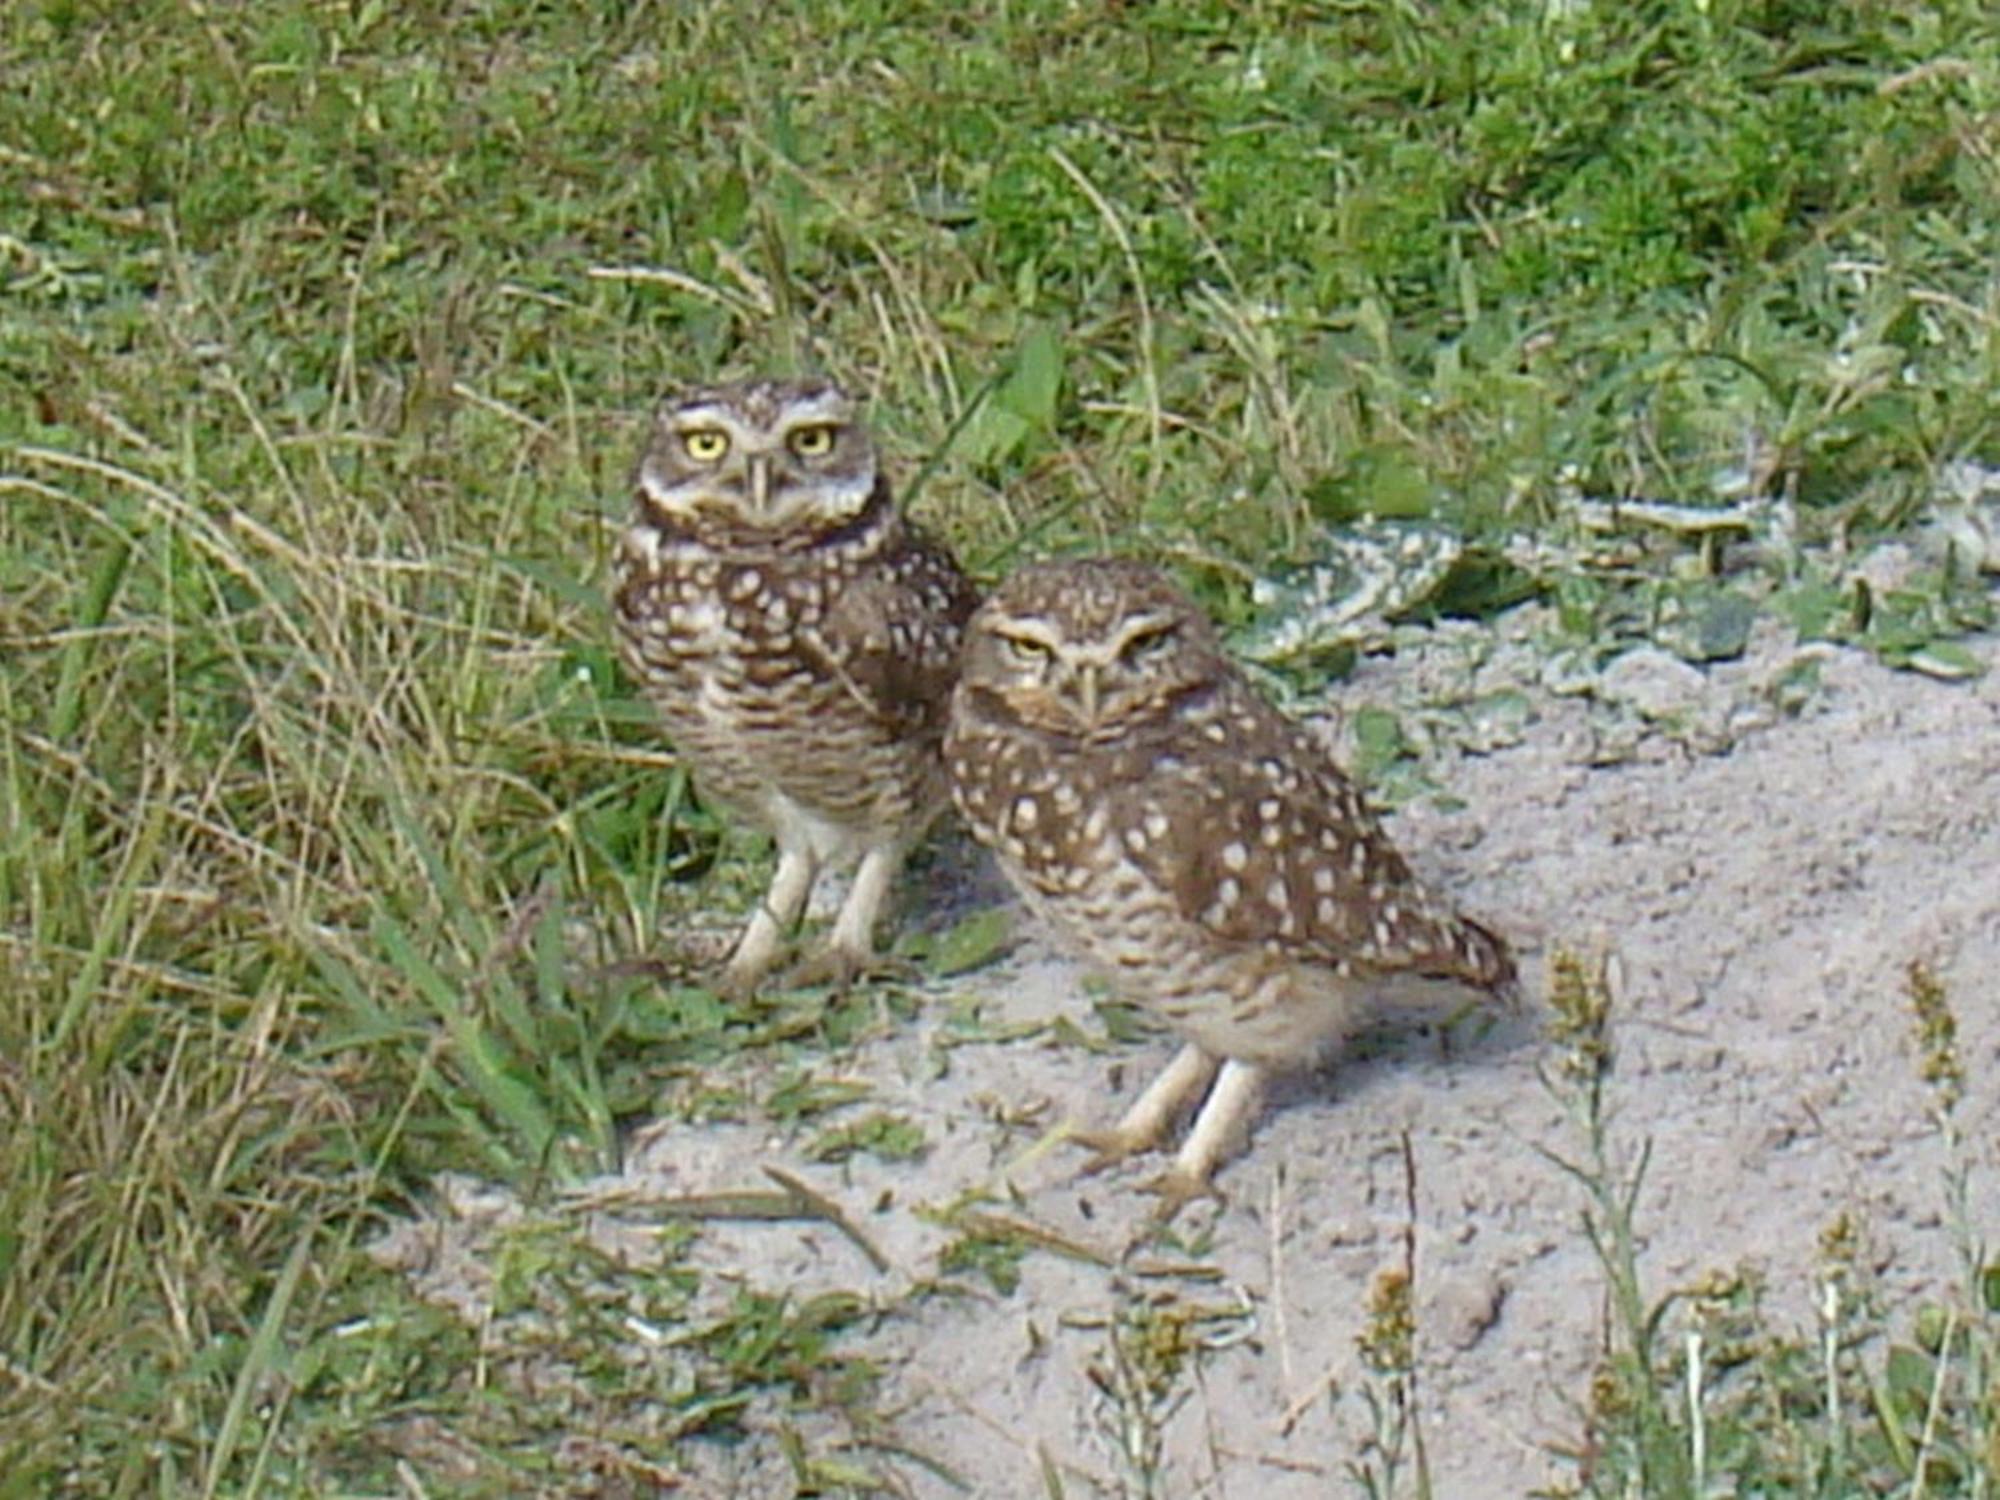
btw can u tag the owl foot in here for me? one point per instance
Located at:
(1175, 1188)
(763, 940)
(1108, 1148)
(750, 965)
(739, 983)
(1219, 1128)
(1151, 1117)
(842, 969)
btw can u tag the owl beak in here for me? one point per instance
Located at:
(759, 467)
(1086, 691)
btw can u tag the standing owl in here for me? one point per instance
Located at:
(1176, 830)
(799, 639)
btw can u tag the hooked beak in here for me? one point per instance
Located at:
(1086, 684)
(759, 466)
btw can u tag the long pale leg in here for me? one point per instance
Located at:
(854, 929)
(850, 946)
(1146, 1123)
(757, 949)
(1220, 1129)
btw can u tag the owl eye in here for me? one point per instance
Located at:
(1146, 644)
(812, 442)
(705, 445)
(1026, 650)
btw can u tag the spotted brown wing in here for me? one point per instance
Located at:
(1264, 841)
(893, 637)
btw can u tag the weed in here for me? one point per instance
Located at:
(336, 851)
(1743, 1407)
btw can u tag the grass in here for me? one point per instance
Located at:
(331, 840)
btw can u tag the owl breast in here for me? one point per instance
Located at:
(729, 654)
(1078, 873)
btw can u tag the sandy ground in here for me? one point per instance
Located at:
(1763, 854)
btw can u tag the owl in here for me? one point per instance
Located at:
(1175, 830)
(798, 638)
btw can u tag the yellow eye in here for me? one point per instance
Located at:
(705, 445)
(1027, 650)
(1145, 644)
(812, 442)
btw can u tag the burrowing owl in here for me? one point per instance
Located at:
(1175, 829)
(799, 639)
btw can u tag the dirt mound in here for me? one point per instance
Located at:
(1765, 846)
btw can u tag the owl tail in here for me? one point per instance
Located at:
(1488, 962)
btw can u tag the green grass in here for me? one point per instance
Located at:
(326, 330)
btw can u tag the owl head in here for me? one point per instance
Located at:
(1090, 650)
(777, 456)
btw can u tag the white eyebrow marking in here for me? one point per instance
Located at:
(823, 410)
(1151, 623)
(1028, 629)
(1102, 653)
(708, 414)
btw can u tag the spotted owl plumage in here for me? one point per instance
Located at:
(1175, 829)
(798, 638)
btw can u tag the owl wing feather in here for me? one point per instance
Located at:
(1290, 856)
(892, 638)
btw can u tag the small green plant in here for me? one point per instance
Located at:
(1631, 1428)
(1387, 1345)
(1144, 1373)
(887, 1137)
(1388, 1348)
(1851, 1410)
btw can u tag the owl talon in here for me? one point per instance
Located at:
(842, 970)
(1176, 1188)
(1109, 1148)
(738, 986)
(829, 967)
(749, 966)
